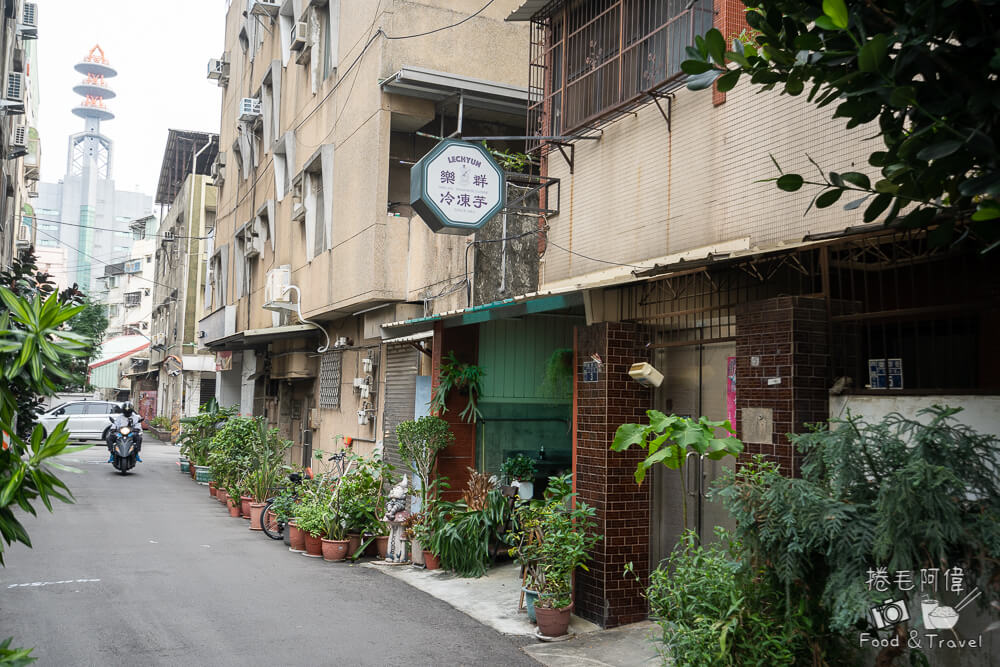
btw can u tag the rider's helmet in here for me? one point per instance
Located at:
(127, 410)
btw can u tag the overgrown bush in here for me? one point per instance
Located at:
(716, 611)
(900, 494)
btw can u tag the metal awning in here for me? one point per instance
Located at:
(535, 302)
(528, 9)
(412, 338)
(252, 338)
(443, 86)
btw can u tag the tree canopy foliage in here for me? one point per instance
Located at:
(925, 72)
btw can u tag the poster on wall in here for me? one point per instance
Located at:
(147, 405)
(731, 391)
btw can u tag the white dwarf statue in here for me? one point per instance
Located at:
(396, 513)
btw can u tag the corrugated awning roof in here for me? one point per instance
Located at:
(182, 146)
(251, 338)
(441, 86)
(528, 9)
(535, 302)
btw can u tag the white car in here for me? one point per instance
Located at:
(86, 420)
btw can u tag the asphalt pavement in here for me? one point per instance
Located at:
(147, 569)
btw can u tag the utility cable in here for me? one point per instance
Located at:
(70, 247)
(431, 32)
(30, 218)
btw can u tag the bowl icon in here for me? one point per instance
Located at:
(944, 618)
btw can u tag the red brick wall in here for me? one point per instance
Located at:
(789, 334)
(604, 479)
(730, 19)
(454, 461)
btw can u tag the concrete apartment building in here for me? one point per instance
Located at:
(185, 376)
(18, 136)
(320, 119)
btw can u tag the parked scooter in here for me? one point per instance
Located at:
(124, 450)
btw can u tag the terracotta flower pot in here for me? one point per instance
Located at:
(431, 562)
(553, 622)
(314, 546)
(212, 491)
(234, 509)
(222, 496)
(296, 538)
(354, 543)
(382, 545)
(256, 510)
(245, 506)
(334, 550)
(191, 469)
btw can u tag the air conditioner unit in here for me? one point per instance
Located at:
(14, 92)
(218, 69)
(249, 109)
(218, 167)
(300, 35)
(28, 27)
(276, 288)
(19, 137)
(263, 8)
(220, 158)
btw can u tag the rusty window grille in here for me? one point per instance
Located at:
(133, 299)
(594, 59)
(909, 317)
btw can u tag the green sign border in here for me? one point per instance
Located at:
(428, 208)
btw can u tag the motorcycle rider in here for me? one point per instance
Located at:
(130, 419)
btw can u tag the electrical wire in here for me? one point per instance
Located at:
(431, 32)
(91, 257)
(30, 218)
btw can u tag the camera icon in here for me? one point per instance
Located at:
(889, 613)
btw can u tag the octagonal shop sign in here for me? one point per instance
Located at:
(457, 187)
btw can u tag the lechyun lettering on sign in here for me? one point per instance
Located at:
(457, 187)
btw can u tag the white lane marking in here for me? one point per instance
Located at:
(52, 583)
(153, 542)
(207, 546)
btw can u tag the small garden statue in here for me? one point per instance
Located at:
(396, 513)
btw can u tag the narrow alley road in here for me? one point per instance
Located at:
(146, 569)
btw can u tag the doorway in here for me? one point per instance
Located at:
(694, 385)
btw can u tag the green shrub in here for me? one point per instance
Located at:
(715, 611)
(900, 494)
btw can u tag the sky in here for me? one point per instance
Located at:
(160, 49)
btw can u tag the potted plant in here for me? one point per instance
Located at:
(553, 540)
(422, 531)
(232, 501)
(335, 543)
(520, 472)
(261, 483)
(311, 518)
(465, 377)
(420, 440)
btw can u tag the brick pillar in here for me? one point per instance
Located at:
(788, 335)
(604, 479)
(730, 20)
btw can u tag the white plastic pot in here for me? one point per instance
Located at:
(525, 490)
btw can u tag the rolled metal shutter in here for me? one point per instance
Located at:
(402, 362)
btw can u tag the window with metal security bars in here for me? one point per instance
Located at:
(593, 59)
(132, 299)
(330, 379)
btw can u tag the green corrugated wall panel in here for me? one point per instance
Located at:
(514, 353)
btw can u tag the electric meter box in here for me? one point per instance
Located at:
(646, 375)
